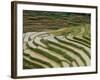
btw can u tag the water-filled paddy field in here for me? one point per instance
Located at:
(56, 39)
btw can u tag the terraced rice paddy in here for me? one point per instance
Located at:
(67, 46)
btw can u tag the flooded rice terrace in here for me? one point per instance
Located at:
(56, 39)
